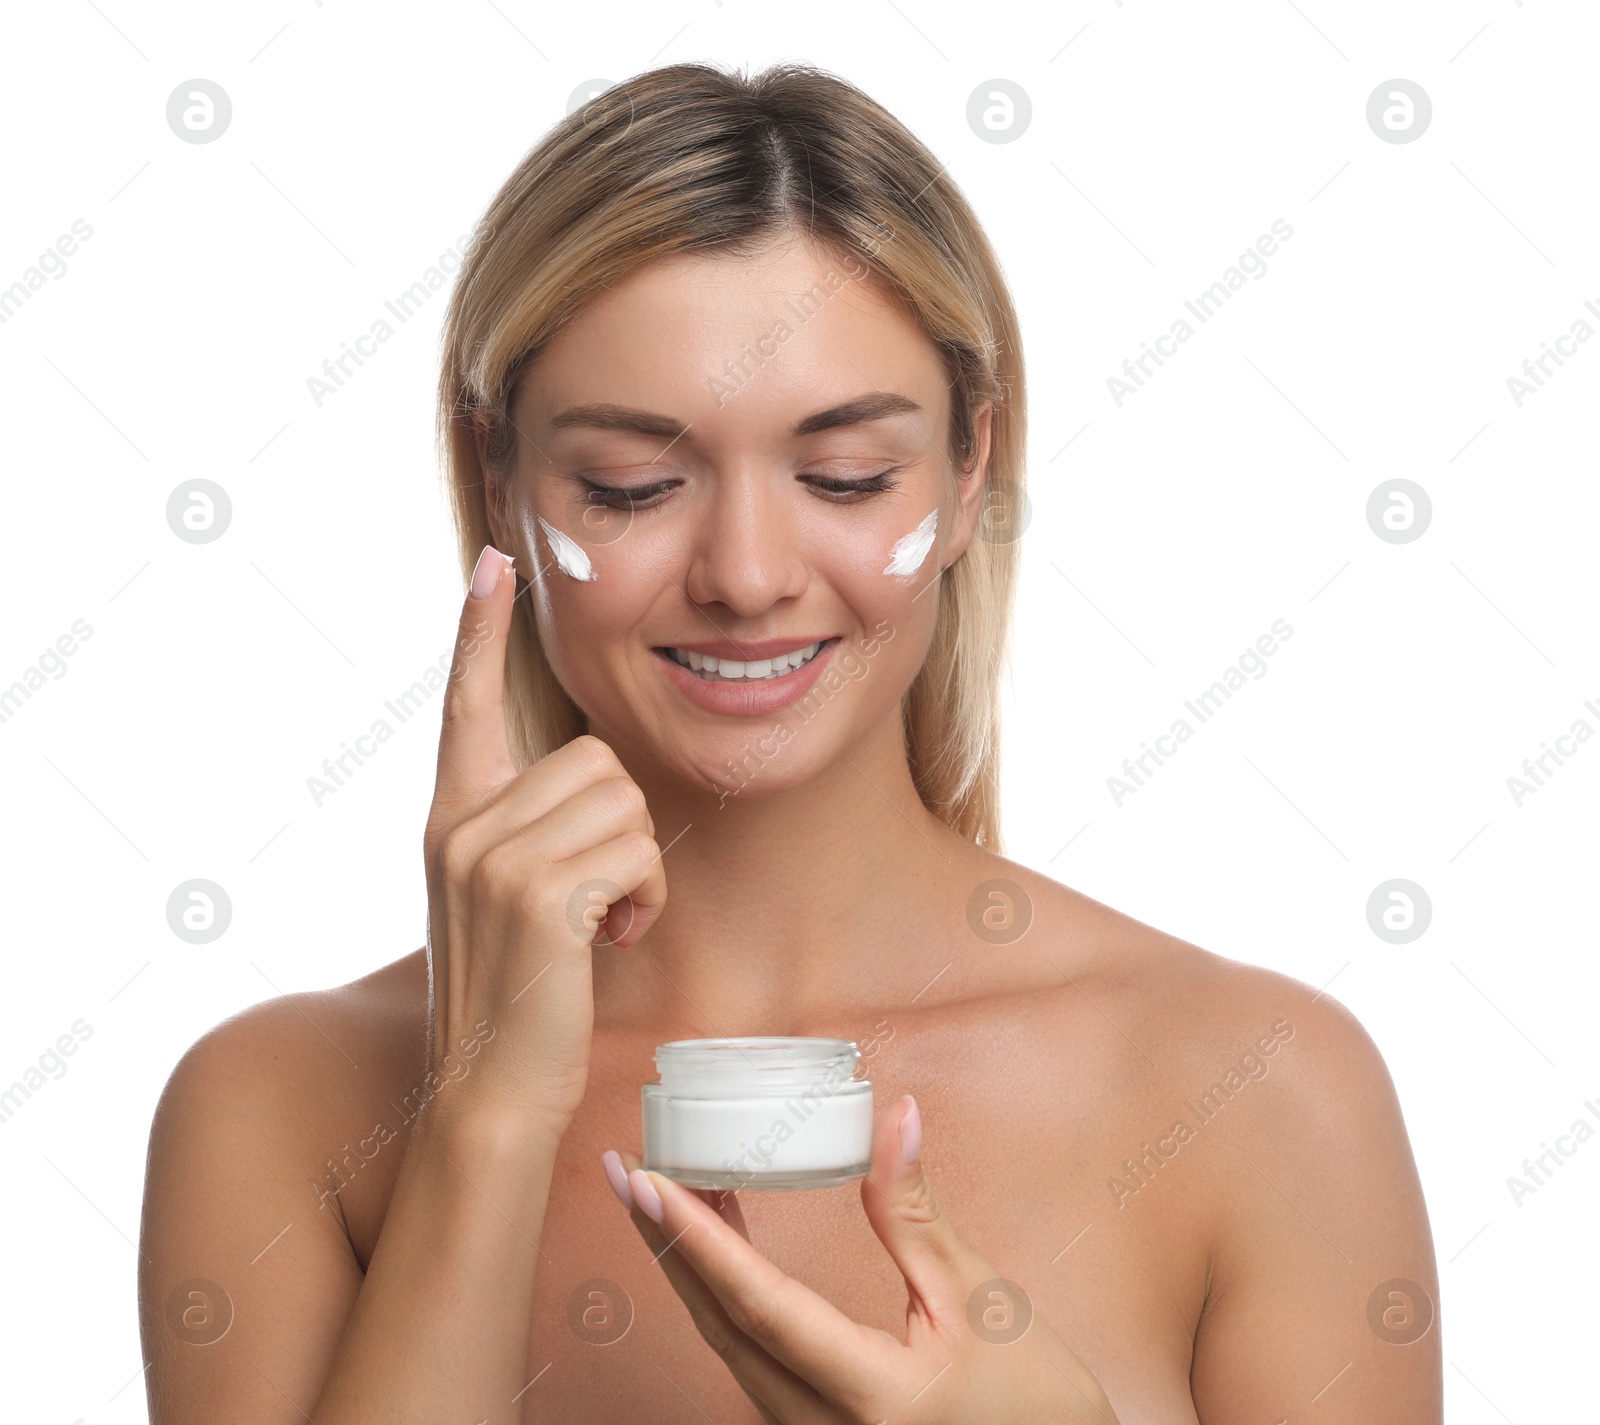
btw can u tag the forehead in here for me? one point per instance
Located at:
(737, 345)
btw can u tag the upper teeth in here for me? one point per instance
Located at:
(775, 667)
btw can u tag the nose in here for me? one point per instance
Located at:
(747, 552)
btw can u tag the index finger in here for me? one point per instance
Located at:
(722, 1201)
(842, 1360)
(474, 748)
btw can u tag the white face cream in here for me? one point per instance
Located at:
(758, 1113)
(911, 549)
(568, 552)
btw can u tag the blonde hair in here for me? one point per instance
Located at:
(689, 159)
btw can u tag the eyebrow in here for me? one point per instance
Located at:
(861, 409)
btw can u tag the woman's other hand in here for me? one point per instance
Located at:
(974, 1348)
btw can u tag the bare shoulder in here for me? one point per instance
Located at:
(284, 1073)
(1265, 1132)
(1190, 1001)
(333, 1037)
(239, 1235)
(1201, 1046)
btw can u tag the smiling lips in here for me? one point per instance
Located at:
(726, 678)
(744, 668)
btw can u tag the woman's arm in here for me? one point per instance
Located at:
(522, 869)
(234, 1225)
(1324, 1294)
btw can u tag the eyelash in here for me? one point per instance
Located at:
(838, 492)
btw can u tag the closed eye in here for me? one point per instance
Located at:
(839, 492)
(854, 490)
(618, 497)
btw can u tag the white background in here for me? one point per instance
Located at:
(1167, 534)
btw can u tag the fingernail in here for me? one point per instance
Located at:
(911, 1132)
(645, 1194)
(487, 571)
(617, 1176)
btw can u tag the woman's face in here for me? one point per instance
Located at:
(775, 433)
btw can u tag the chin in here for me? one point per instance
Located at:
(756, 761)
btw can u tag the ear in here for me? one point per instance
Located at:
(970, 488)
(494, 490)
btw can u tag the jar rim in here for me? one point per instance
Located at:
(754, 1064)
(762, 1049)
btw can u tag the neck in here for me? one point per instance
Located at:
(782, 907)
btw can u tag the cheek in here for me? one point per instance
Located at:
(908, 557)
(570, 557)
(885, 561)
(895, 613)
(584, 616)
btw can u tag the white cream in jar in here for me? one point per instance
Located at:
(758, 1112)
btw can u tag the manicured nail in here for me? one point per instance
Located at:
(645, 1194)
(911, 1132)
(487, 571)
(617, 1176)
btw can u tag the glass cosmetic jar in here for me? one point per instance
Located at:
(758, 1113)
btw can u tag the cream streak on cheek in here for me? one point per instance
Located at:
(569, 555)
(910, 550)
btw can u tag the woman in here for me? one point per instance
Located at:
(732, 403)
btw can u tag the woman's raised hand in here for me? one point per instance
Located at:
(522, 870)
